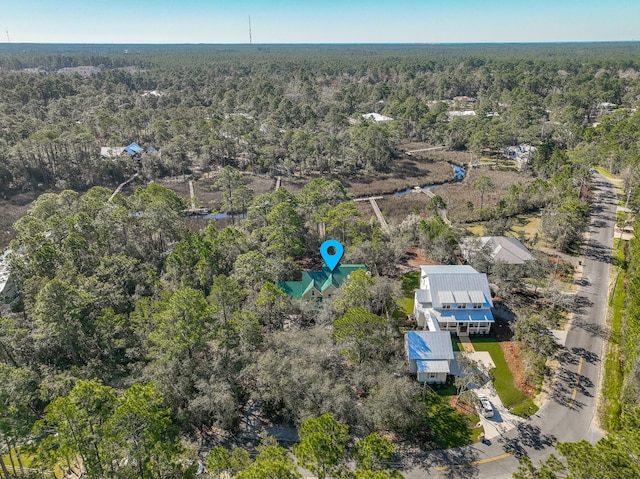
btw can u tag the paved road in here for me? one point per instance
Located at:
(569, 413)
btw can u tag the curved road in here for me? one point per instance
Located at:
(569, 412)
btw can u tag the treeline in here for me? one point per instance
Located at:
(297, 110)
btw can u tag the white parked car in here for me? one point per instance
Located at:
(483, 405)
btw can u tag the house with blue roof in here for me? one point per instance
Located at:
(429, 354)
(456, 299)
(317, 285)
(133, 149)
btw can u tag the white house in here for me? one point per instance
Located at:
(377, 118)
(429, 354)
(456, 299)
(455, 113)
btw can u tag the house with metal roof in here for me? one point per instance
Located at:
(429, 354)
(499, 249)
(455, 299)
(377, 118)
(134, 150)
(317, 285)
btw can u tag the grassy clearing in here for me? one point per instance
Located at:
(530, 225)
(604, 172)
(28, 462)
(610, 407)
(512, 398)
(476, 229)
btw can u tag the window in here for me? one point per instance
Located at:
(432, 375)
(446, 306)
(462, 305)
(477, 305)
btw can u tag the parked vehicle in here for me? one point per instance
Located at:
(483, 406)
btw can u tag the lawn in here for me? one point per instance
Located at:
(410, 281)
(405, 304)
(613, 375)
(512, 398)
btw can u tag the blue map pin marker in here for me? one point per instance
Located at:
(331, 260)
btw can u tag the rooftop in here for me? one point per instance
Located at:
(438, 366)
(320, 280)
(377, 117)
(501, 249)
(429, 345)
(446, 269)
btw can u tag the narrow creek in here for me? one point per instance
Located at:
(459, 172)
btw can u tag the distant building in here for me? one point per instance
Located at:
(456, 113)
(521, 153)
(317, 285)
(499, 249)
(83, 71)
(133, 150)
(151, 93)
(377, 118)
(111, 151)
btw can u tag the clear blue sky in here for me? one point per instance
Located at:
(311, 21)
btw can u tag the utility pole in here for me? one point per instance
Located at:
(250, 40)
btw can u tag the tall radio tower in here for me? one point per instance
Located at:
(250, 42)
(8, 39)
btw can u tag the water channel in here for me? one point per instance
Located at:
(458, 171)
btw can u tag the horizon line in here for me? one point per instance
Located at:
(536, 42)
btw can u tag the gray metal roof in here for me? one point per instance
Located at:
(461, 297)
(423, 296)
(446, 269)
(443, 286)
(445, 297)
(439, 366)
(477, 297)
(501, 249)
(429, 345)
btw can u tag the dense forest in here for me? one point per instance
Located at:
(143, 341)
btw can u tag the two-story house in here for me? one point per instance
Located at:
(455, 298)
